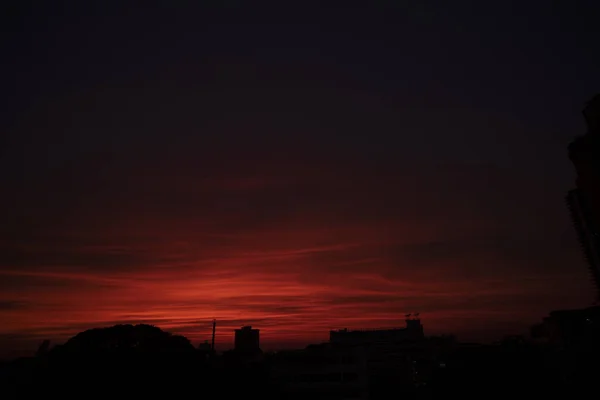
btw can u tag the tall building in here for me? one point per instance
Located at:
(584, 201)
(247, 340)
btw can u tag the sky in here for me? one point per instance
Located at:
(293, 168)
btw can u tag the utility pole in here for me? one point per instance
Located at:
(212, 344)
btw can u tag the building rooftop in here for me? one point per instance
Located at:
(246, 328)
(346, 330)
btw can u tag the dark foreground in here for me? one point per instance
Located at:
(470, 374)
(143, 361)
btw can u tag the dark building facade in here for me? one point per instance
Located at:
(247, 340)
(584, 201)
(412, 332)
(399, 361)
(571, 328)
(321, 372)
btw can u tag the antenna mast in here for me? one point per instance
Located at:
(212, 343)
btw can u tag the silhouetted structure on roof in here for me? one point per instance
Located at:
(412, 332)
(584, 201)
(207, 349)
(247, 340)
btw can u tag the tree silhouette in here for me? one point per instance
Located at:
(142, 338)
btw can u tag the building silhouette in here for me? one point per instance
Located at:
(398, 360)
(412, 332)
(247, 340)
(321, 371)
(584, 200)
(570, 329)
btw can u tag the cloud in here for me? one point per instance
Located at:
(293, 248)
(12, 305)
(82, 258)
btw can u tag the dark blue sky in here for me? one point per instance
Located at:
(469, 78)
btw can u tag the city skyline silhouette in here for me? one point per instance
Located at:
(294, 169)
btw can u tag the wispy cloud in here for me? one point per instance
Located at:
(294, 258)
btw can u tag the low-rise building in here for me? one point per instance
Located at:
(321, 372)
